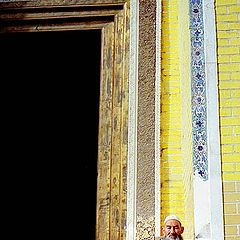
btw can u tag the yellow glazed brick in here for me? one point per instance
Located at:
(165, 153)
(229, 187)
(223, 58)
(229, 121)
(176, 197)
(225, 2)
(172, 90)
(172, 164)
(172, 139)
(238, 167)
(173, 190)
(223, 26)
(228, 167)
(223, 42)
(231, 103)
(170, 107)
(231, 230)
(229, 85)
(170, 2)
(170, 55)
(234, 9)
(172, 184)
(173, 83)
(231, 176)
(171, 115)
(221, 9)
(169, 47)
(235, 58)
(231, 198)
(229, 67)
(175, 159)
(228, 50)
(168, 25)
(224, 76)
(172, 151)
(235, 93)
(166, 8)
(235, 76)
(168, 39)
(172, 177)
(230, 208)
(230, 139)
(236, 112)
(238, 186)
(167, 18)
(168, 121)
(238, 207)
(227, 34)
(170, 30)
(175, 170)
(234, 41)
(234, 26)
(232, 219)
(225, 112)
(226, 130)
(227, 18)
(236, 130)
(166, 197)
(173, 37)
(227, 149)
(171, 204)
(236, 148)
(169, 62)
(170, 72)
(231, 157)
(231, 238)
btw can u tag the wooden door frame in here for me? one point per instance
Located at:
(111, 17)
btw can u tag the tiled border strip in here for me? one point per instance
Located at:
(208, 201)
(199, 108)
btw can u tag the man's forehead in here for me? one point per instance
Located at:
(172, 222)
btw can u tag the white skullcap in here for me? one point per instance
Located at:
(172, 217)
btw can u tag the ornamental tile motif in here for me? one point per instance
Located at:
(198, 84)
(145, 229)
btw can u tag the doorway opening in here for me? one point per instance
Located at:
(53, 87)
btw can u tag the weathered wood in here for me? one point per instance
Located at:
(105, 135)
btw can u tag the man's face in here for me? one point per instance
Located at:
(172, 229)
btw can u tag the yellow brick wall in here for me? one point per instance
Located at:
(171, 154)
(228, 57)
(176, 168)
(185, 86)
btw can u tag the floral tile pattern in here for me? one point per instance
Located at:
(198, 84)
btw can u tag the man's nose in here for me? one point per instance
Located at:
(172, 230)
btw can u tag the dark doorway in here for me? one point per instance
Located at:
(52, 91)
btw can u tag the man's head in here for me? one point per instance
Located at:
(172, 228)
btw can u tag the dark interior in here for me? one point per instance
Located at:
(52, 90)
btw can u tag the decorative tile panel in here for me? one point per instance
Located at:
(198, 83)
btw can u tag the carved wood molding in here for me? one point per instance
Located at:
(112, 18)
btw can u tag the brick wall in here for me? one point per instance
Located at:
(228, 53)
(171, 154)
